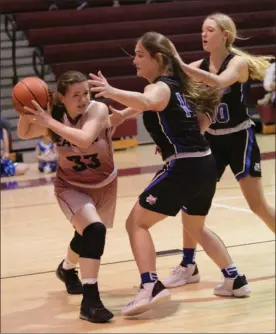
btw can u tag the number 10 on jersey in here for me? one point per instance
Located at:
(222, 115)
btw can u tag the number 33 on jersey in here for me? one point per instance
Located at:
(85, 161)
(86, 166)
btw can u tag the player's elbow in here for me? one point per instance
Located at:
(85, 142)
(143, 106)
(143, 103)
(147, 104)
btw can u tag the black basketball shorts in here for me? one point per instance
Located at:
(239, 150)
(188, 184)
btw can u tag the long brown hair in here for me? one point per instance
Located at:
(257, 65)
(64, 81)
(200, 97)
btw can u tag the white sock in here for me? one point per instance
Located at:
(89, 281)
(67, 265)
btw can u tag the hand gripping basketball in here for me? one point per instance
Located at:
(40, 116)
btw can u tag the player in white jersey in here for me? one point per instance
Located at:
(86, 183)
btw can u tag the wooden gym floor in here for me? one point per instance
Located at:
(35, 235)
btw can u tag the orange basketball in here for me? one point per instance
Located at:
(28, 89)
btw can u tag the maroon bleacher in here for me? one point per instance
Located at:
(134, 29)
(103, 15)
(97, 38)
(114, 48)
(123, 66)
(19, 6)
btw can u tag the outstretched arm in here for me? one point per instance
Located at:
(237, 70)
(119, 116)
(155, 96)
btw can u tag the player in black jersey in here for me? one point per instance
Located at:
(231, 136)
(188, 179)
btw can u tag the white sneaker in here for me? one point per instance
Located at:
(182, 275)
(148, 297)
(237, 287)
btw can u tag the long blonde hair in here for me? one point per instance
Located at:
(200, 97)
(257, 65)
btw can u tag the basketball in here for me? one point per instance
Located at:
(28, 89)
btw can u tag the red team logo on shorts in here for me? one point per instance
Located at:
(257, 167)
(151, 200)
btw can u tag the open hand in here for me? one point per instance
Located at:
(116, 118)
(175, 53)
(99, 85)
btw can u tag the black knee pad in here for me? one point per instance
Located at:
(93, 241)
(76, 243)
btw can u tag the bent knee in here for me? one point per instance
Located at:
(130, 224)
(133, 223)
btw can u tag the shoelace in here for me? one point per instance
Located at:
(137, 297)
(178, 269)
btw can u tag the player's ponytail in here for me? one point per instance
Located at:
(257, 65)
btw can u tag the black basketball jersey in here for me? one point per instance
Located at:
(232, 109)
(175, 129)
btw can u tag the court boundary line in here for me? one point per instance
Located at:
(122, 172)
(159, 254)
(231, 207)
